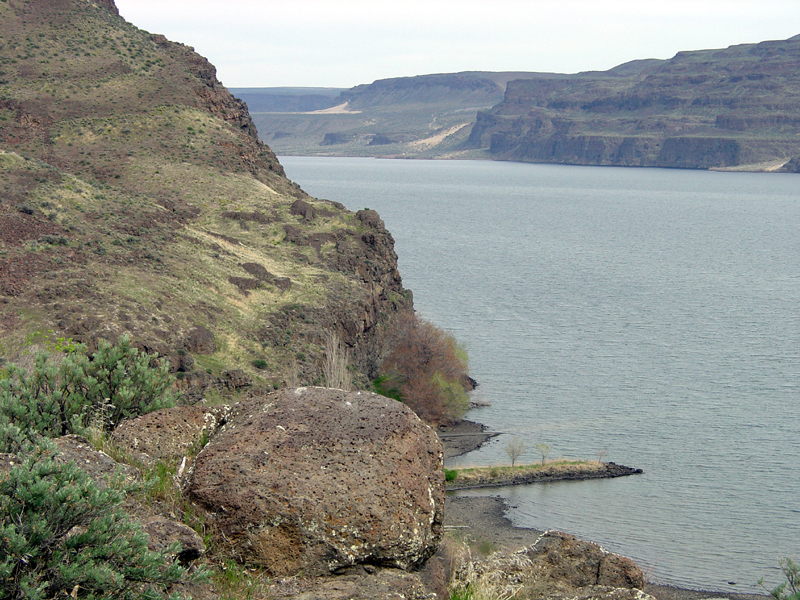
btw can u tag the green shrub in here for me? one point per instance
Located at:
(789, 589)
(384, 385)
(450, 474)
(61, 533)
(67, 396)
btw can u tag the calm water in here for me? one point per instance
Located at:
(652, 313)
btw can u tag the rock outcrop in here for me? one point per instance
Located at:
(565, 559)
(698, 110)
(313, 480)
(163, 533)
(557, 566)
(98, 465)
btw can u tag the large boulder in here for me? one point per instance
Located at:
(168, 434)
(312, 480)
(578, 563)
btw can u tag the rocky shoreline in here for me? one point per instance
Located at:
(462, 437)
(482, 519)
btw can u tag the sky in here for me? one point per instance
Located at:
(343, 43)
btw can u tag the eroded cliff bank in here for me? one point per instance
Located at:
(699, 110)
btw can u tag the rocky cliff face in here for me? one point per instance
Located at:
(705, 109)
(462, 88)
(137, 198)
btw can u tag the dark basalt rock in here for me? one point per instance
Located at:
(314, 480)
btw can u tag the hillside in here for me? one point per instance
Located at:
(410, 117)
(136, 197)
(736, 108)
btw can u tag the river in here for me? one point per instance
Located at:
(651, 316)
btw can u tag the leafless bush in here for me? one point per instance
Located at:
(514, 449)
(427, 370)
(335, 363)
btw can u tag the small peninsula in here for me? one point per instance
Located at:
(560, 470)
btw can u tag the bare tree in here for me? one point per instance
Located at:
(544, 450)
(335, 363)
(601, 454)
(514, 449)
(293, 377)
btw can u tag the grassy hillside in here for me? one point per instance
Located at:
(135, 197)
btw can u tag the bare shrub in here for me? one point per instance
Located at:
(335, 363)
(427, 370)
(544, 450)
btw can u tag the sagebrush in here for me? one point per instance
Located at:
(65, 394)
(61, 534)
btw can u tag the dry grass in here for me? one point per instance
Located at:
(500, 576)
(335, 363)
(559, 467)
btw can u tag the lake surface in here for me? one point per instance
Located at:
(650, 314)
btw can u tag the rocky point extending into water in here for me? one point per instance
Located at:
(555, 471)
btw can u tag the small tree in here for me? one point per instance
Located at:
(514, 449)
(544, 450)
(61, 533)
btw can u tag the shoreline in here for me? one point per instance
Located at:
(463, 436)
(482, 519)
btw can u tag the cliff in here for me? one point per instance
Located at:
(703, 109)
(412, 117)
(137, 198)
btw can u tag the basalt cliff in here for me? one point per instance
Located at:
(737, 107)
(136, 198)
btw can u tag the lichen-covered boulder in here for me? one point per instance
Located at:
(168, 434)
(97, 465)
(312, 480)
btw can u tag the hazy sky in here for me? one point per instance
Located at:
(342, 43)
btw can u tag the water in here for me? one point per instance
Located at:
(649, 313)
